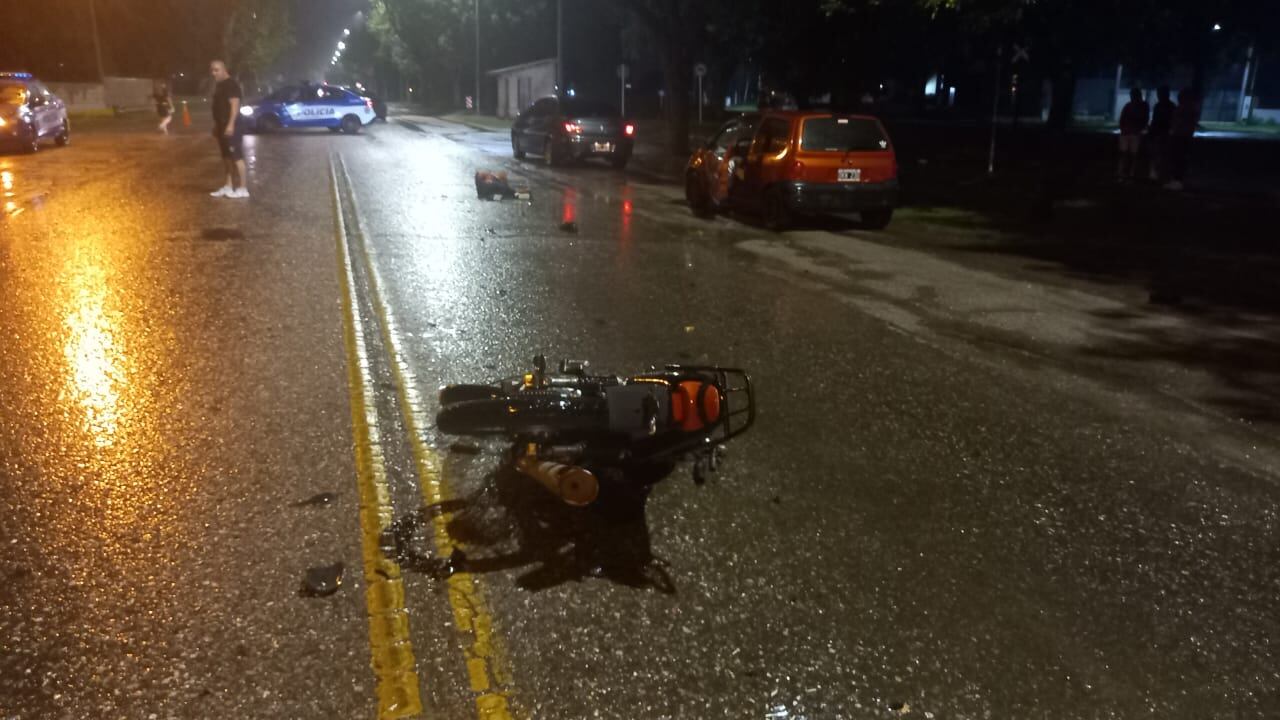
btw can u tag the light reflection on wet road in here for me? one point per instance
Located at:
(918, 526)
(146, 488)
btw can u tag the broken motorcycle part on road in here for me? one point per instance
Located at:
(322, 581)
(497, 186)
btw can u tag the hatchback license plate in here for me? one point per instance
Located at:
(850, 175)
(602, 147)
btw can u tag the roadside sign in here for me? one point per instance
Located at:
(700, 70)
(470, 103)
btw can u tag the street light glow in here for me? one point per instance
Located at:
(1216, 27)
(342, 45)
(346, 32)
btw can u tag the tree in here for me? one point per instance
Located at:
(256, 33)
(434, 40)
(680, 28)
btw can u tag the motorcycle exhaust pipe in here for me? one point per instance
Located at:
(574, 485)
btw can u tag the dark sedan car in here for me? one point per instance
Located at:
(562, 129)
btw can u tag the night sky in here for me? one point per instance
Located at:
(151, 38)
(319, 25)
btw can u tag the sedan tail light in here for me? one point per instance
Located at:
(630, 130)
(573, 128)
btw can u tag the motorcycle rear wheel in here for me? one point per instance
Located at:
(524, 417)
(453, 394)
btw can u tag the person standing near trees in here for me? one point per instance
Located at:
(1186, 120)
(164, 107)
(1133, 120)
(1158, 134)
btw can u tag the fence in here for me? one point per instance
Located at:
(115, 92)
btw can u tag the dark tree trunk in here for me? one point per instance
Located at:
(1063, 100)
(676, 69)
(1055, 171)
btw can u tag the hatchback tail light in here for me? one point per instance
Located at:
(573, 128)
(630, 130)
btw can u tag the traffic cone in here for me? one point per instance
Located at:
(186, 115)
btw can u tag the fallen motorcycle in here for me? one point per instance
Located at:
(563, 425)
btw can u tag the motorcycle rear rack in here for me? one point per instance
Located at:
(738, 395)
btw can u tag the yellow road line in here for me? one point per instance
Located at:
(486, 660)
(391, 651)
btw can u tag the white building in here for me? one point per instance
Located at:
(520, 85)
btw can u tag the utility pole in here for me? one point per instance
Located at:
(559, 45)
(1117, 103)
(1253, 82)
(1241, 110)
(477, 103)
(995, 114)
(97, 44)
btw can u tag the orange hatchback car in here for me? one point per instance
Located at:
(784, 164)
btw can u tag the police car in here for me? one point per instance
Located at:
(310, 106)
(30, 113)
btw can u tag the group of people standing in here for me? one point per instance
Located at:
(1168, 128)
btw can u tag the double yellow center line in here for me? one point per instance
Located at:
(392, 653)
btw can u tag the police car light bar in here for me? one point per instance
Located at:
(17, 75)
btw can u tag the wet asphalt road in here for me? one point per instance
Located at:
(936, 515)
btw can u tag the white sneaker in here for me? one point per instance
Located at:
(241, 193)
(224, 191)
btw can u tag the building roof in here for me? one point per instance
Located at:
(521, 66)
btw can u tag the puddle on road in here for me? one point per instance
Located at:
(221, 234)
(215, 234)
(318, 500)
(11, 204)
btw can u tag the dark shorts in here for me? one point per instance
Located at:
(232, 146)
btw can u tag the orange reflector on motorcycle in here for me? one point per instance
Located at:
(685, 400)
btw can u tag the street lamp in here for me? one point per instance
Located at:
(342, 45)
(1217, 27)
(346, 32)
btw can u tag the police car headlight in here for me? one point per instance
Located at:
(3, 122)
(246, 111)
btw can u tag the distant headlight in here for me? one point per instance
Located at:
(3, 122)
(246, 111)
